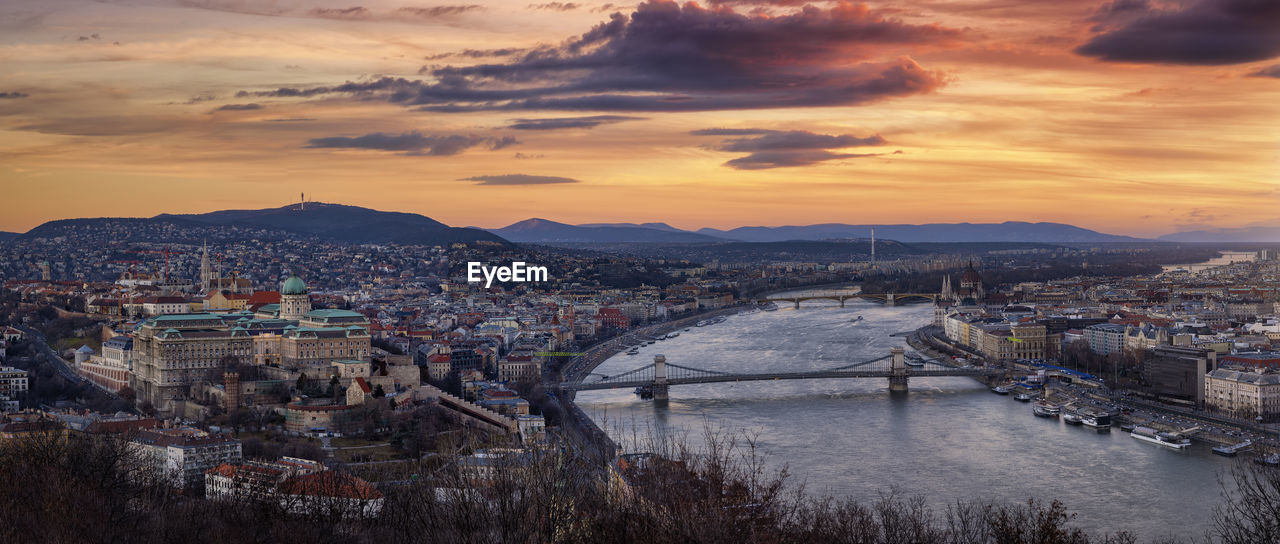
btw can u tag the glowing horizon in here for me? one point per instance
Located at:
(734, 113)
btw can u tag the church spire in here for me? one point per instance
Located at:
(205, 270)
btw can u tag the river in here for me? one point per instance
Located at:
(948, 438)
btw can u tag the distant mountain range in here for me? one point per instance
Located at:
(353, 224)
(544, 231)
(333, 222)
(1246, 234)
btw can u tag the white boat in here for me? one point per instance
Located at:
(1072, 418)
(1100, 422)
(1168, 440)
(1022, 397)
(1232, 450)
(1001, 389)
(1045, 409)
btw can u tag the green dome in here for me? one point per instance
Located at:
(293, 286)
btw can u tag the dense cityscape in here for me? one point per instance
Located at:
(325, 377)
(694, 271)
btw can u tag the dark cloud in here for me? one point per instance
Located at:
(413, 142)
(555, 123)
(782, 148)
(351, 13)
(784, 3)
(761, 140)
(12, 94)
(239, 107)
(1119, 11)
(1270, 71)
(478, 53)
(1201, 32)
(783, 159)
(556, 6)
(519, 179)
(668, 57)
(290, 119)
(435, 12)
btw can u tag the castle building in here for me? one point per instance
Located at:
(295, 302)
(172, 353)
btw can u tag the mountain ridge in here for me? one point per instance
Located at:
(334, 222)
(546, 231)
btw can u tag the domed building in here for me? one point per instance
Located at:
(294, 300)
(970, 291)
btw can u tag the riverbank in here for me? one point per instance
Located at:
(587, 437)
(1209, 428)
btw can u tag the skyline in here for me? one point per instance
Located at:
(726, 114)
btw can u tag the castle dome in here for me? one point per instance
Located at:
(293, 286)
(971, 276)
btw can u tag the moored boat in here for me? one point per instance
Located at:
(1001, 389)
(1045, 409)
(1101, 422)
(1072, 418)
(1233, 449)
(1022, 397)
(1169, 440)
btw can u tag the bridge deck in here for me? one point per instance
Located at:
(830, 374)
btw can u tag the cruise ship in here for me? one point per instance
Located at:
(1168, 440)
(1071, 417)
(1045, 408)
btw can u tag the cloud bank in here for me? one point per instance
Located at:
(413, 143)
(669, 57)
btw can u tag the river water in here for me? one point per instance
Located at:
(947, 439)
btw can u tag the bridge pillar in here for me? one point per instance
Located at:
(890, 300)
(660, 378)
(842, 299)
(797, 304)
(897, 371)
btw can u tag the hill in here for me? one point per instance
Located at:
(545, 231)
(331, 222)
(1009, 231)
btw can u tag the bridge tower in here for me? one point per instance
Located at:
(898, 371)
(890, 299)
(660, 385)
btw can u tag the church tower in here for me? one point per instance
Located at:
(206, 271)
(295, 302)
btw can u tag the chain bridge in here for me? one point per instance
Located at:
(655, 379)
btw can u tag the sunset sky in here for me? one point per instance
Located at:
(1137, 117)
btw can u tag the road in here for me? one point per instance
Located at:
(64, 368)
